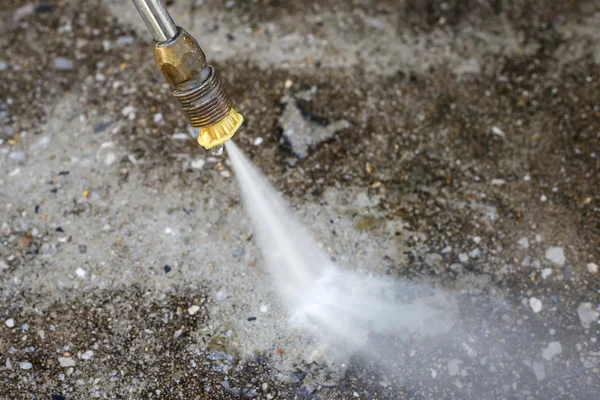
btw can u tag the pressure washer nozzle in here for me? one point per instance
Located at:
(197, 88)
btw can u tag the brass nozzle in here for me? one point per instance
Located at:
(197, 88)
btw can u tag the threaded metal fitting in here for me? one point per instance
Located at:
(195, 84)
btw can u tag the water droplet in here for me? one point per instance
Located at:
(217, 150)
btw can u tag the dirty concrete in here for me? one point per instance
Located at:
(471, 151)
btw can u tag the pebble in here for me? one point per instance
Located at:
(546, 272)
(498, 182)
(110, 158)
(80, 272)
(10, 323)
(538, 370)
(129, 112)
(497, 131)
(198, 164)
(63, 64)
(592, 267)
(17, 156)
(454, 366)
(258, 141)
(193, 310)
(23, 11)
(535, 304)
(524, 242)
(180, 136)
(168, 231)
(124, 40)
(87, 355)
(475, 253)
(25, 365)
(264, 309)
(177, 334)
(553, 349)
(225, 174)
(3, 65)
(555, 255)
(543, 198)
(433, 373)
(462, 257)
(158, 117)
(587, 314)
(66, 362)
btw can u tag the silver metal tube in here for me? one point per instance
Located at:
(157, 19)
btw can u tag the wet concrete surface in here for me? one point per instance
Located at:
(469, 158)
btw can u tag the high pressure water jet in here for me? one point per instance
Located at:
(195, 84)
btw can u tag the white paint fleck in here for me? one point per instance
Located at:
(535, 304)
(193, 310)
(555, 255)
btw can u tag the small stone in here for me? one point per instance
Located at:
(475, 253)
(167, 269)
(463, 258)
(433, 373)
(66, 362)
(10, 323)
(592, 268)
(543, 198)
(177, 334)
(535, 304)
(63, 64)
(41, 334)
(3, 65)
(25, 365)
(288, 83)
(193, 310)
(524, 242)
(198, 164)
(110, 158)
(158, 117)
(538, 370)
(87, 355)
(553, 349)
(225, 174)
(124, 41)
(264, 309)
(258, 141)
(587, 314)
(168, 231)
(546, 272)
(17, 156)
(454, 366)
(497, 131)
(80, 272)
(555, 255)
(498, 182)
(128, 112)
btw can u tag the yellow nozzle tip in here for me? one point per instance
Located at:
(222, 131)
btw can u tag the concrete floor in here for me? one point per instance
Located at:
(456, 143)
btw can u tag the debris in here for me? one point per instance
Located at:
(592, 267)
(498, 182)
(168, 231)
(10, 323)
(66, 362)
(63, 64)
(193, 310)
(555, 255)
(433, 373)
(475, 253)
(588, 314)
(198, 164)
(23, 12)
(535, 304)
(110, 158)
(25, 365)
(264, 309)
(80, 272)
(499, 132)
(258, 141)
(87, 355)
(543, 198)
(546, 272)
(252, 319)
(454, 366)
(463, 258)
(538, 370)
(553, 349)
(288, 83)
(158, 117)
(167, 269)
(524, 242)
(225, 174)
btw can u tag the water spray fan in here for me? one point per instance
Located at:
(195, 84)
